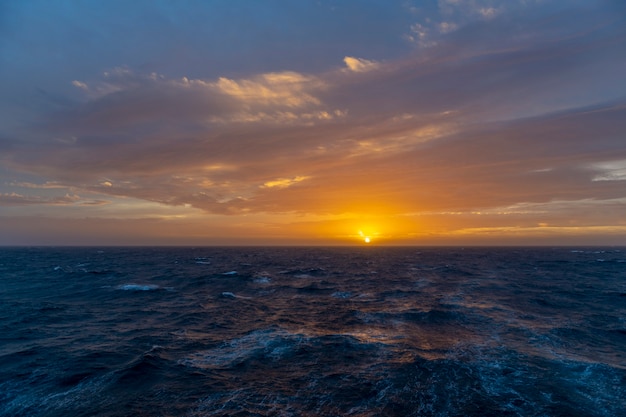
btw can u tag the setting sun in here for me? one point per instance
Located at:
(366, 238)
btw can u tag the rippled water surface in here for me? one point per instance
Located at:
(364, 331)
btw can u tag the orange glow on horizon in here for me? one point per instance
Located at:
(359, 228)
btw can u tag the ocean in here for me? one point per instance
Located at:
(343, 331)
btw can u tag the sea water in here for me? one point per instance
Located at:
(359, 331)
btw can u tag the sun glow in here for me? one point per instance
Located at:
(365, 238)
(368, 229)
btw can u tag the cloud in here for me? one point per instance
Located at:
(488, 12)
(284, 182)
(420, 35)
(360, 64)
(447, 27)
(80, 85)
(610, 170)
(46, 185)
(14, 199)
(470, 124)
(288, 89)
(125, 99)
(435, 23)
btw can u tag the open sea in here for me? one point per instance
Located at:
(348, 331)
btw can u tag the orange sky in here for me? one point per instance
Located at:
(470, 123)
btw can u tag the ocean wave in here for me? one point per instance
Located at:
(436, 332)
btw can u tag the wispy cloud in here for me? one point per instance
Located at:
(14, 199)
(46, 185)
(360, 64)
(284, 182)
(610, 170)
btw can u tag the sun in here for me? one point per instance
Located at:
(365, 237)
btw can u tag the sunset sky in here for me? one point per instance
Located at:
(225, 122)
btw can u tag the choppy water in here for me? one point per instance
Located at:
(312, 332)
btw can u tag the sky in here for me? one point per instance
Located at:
(313, 122)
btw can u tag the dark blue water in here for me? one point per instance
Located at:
(312, 332)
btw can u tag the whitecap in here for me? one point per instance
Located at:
(229, 273)
(63, 268)
(270, 343)
(138, 287)
(228, 294)
(341, 294)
